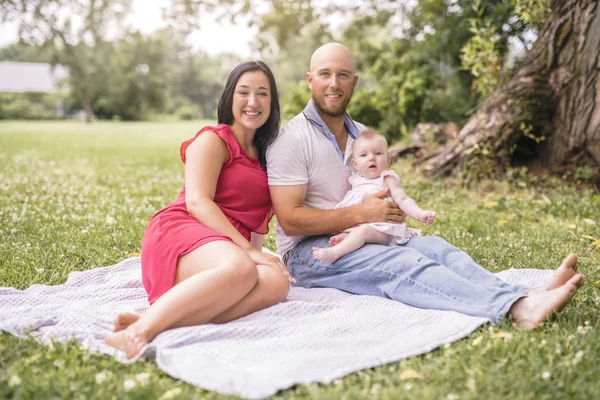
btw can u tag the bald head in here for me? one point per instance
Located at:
(332, 80)
(332, 52)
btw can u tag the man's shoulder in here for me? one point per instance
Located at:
(296, 126)
(361, 128)
(295, 130)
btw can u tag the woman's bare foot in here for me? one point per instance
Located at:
(325, 254)
(123, 320)
(130, 340)
(562, 274)
(530, 312)
(337, 238)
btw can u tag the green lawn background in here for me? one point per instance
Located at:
(76, 196)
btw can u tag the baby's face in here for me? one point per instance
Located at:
(369, 156)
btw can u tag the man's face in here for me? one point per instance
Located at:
(332, 83)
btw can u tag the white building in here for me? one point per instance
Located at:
(21, 77)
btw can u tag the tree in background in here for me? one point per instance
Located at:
(77, 30)
(435, 60)
(116, 72)
(549, 110)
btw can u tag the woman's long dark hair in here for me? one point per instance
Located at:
(266, 133)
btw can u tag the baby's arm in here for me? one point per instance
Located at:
(406, 204)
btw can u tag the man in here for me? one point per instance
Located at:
(308, 166)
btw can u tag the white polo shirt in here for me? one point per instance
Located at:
(302, 154)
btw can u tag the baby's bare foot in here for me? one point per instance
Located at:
(337, 238)
(123, 320)
(129, 340)
(532, 311)
(324, 254)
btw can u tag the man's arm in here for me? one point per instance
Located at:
(296, 219)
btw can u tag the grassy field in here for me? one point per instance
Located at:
(75, 197)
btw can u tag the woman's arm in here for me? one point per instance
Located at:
(257, 240)
(205, 158)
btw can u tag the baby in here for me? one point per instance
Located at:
(370, 158)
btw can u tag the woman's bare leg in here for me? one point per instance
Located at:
(209, 280)
(355, 240)
(272, 288)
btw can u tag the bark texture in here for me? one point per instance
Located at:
(556, 89)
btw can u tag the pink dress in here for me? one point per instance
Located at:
(361, 189)
(242, 194)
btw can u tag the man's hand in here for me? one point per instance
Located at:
(376, 209)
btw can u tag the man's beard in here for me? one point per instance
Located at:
(338, 111)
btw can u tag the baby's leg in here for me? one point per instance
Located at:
(337, 238)
(355, 240)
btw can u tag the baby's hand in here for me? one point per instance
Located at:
(428, 217)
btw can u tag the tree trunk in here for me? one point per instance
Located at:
(87, 110)
(556, 90)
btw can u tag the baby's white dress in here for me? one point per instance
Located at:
(361, 189)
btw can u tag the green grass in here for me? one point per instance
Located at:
(76, 196)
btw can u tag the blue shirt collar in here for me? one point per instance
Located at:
(316, 121)
(310, 112)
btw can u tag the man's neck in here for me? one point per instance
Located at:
(335, 125)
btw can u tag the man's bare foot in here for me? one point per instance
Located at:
(130, 340)
(562, 274)
(530, 312)
(123, 320)
(337, 238)
(325, 254)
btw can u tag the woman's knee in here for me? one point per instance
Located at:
(241, 268)
(275, 286)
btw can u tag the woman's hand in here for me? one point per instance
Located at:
(270, 261)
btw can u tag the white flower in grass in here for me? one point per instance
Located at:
(109, 220)
(39, 270)
(582, 330)
(129, 384)
(471, 385)
(452, 396)
(143, 378)
(14, 381)
(375, 388)
(170, 394)
(477, 340)
(546, 375)
(102, 376)
(578, 357)
(408, 386)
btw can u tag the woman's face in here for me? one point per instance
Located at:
(251, 101)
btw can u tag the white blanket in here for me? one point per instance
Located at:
(317, 335)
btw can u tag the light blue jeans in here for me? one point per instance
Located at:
(426, 272)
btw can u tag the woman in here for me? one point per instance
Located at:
(201, 254)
